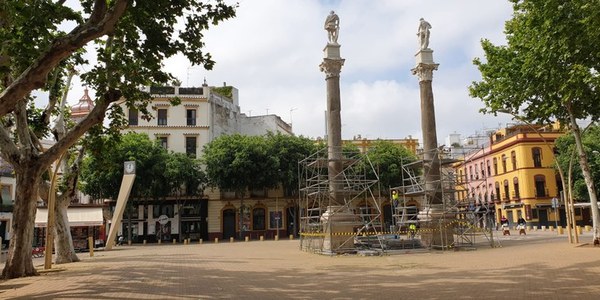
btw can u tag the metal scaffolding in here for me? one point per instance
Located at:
(361, 209)
(415, 222)
(457, 224)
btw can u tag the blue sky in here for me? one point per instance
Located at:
(271, 52)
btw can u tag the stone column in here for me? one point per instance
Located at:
(338, 220)
(332, 66)
(432, 217)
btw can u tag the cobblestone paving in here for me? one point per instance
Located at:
(540, 265)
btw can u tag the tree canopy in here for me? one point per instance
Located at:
(240, 163)
(158, 173)
(387, 159)
(550, 65)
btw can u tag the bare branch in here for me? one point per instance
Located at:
(23, 127)
(36, 75)
(9, 152)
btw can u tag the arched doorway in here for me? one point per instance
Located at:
(228, 223)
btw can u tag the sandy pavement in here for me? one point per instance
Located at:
(540, 265)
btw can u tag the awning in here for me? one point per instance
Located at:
(78, 216)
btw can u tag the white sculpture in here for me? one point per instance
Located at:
(332, 25)
(423, 34)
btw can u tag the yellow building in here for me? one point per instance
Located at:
(363, 144)
(524, 180)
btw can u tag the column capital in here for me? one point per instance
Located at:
(331, 67)
(425, 71)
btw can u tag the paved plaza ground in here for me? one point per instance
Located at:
(540, 265)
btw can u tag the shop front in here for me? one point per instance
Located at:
(84, 222)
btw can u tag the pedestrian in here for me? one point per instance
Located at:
(120, 240)
(521, 225)
(505, 226)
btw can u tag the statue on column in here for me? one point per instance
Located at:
(332, 25)
(423, 34)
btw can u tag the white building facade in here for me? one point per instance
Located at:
(204, 114)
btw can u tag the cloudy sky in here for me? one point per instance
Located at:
(272, 50)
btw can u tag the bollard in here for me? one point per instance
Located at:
(560, 230)
(291, 236)
(174, 241)
(231, 239)
(216, 240)
(276, 237)
(588, 228)
(247, 238)
(129, 243)
(200, 241)
(144, 243)
(535, 228)
(262, 238)
(579, 230)
(551, 228)
(185, 241)
(91, 245)
(544, 228)
(528, 228)
(189, 240)
(159, 242)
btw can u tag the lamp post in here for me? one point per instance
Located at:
(566, 187)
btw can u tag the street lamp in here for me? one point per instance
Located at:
(569, 208)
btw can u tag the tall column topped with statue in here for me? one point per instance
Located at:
(433, 212)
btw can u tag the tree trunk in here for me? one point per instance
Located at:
(19, 262)
(65, 251)
(585, 170)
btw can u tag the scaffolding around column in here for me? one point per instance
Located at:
(360, 212)
(450, 224)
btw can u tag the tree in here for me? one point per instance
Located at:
(240, 163)
(548, 70)
(289, 150)
(132, 38)
(387, 159)
(186, 180)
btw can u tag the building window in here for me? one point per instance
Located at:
(6, 195)
(258, 219)
(190, 115)
(133, 116)
(489, 171)
(165, 209)
(163, 141)
(540, 186)
(503, 163)
(162, 117)
(482, 170)
(190, 146)
(516, 188)
(471, 172)
(495, 166)
(513, 158)
(506, 192)
(537, 157)
(497, 191)
(476, 172)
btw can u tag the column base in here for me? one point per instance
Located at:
(339, 223)
(436, 228)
